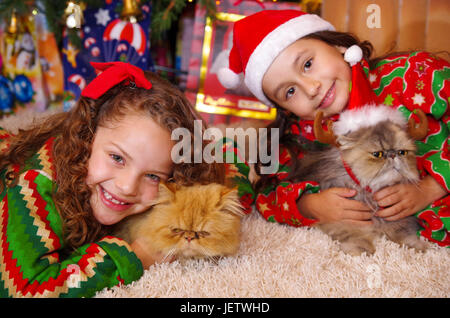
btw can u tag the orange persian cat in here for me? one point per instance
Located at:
(198, 221)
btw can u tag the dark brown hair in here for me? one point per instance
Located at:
(75, 131)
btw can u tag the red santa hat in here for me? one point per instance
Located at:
(257, 41)
(259, 38)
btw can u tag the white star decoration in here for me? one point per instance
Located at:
(418, 99)
(372, 78)
(308, 129)
(102, 16)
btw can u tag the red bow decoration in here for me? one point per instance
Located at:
(113, 73)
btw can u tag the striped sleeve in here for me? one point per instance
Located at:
(4, 136)
(31, 264)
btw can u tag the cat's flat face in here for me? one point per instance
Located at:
(380, 155)
(200, 221)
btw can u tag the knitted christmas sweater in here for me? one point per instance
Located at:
(31, 238)
(406, 82)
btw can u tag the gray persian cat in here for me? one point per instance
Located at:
(374, 150)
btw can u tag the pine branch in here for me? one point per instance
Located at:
(21, 8)
(210, 6)
(54, 13)
(164, 13)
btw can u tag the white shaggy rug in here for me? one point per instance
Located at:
(281, 261)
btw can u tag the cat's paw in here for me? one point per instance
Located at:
(416, 243)
(357, 248)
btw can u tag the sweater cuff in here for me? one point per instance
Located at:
(280, 205)
(128, 264)
(437, 165)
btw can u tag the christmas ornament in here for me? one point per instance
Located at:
(12, 27)
(6, 95)
(23, 89)
(74, 15)
(130, 11)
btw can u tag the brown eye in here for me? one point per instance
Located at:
(402, 152)
(378, 154)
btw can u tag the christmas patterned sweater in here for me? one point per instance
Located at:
(406, 82)
(31, 240)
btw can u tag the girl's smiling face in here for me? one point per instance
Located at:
(307, 76)
(129, 158)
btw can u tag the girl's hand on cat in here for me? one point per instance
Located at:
(333, 205)
(402, 200)
(147, 257)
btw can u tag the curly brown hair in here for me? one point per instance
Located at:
(75, 131)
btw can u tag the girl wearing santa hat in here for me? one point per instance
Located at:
(299, 64)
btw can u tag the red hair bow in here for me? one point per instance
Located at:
(113, 73)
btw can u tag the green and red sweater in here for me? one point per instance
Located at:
(31, 239)
(406, 82)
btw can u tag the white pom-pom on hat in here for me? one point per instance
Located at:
(353, 55)
(228, 78)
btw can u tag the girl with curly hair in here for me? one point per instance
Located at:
(64, 182)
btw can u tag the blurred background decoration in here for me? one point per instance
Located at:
(404, 25)
(46, 45)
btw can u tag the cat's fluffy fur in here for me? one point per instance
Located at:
(198, 221)
(357, 149)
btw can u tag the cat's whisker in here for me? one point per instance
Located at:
(377, 174)
(414, 181)
(228, 243)
(169, 255)
(204, 252)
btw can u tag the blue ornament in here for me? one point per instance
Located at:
(23, 88)
(6, 95)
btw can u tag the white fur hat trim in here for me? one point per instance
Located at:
(369, 115)
(228, 78)
(353, 55)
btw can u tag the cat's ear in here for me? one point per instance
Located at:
(170, 186)
(230, 202)
(166, 191)
(226, 190)
(346, 141)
